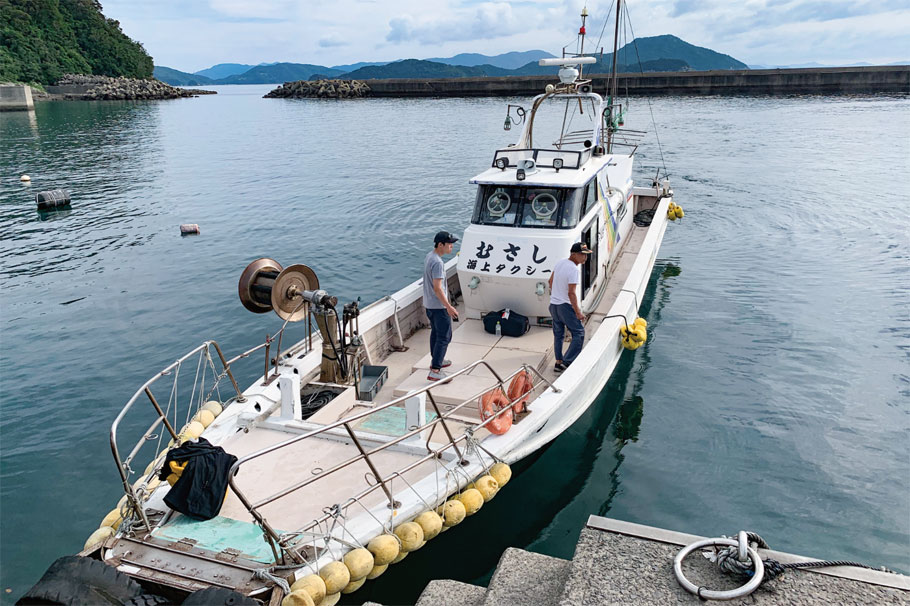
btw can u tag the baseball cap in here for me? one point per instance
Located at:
(444, 237)
(580, 247)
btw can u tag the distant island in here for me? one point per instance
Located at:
(656, 54)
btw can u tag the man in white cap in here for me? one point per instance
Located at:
(436, 301)
(564, 306)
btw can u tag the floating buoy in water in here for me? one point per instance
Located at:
(189, 229)
(502, 473)
(25, 178)
(313, 585)
(336, 577)
(384, 548)
(54, 199)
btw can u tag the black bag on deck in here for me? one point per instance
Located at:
(202, 486)
(511, 323)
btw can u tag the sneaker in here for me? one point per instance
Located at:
(559, 366)
(436, 375)
(446, 363)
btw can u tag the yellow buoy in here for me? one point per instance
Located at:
(679, 211)
(102, 534)
(122, 502)
(411, 535)
(384, 548)
(453, 512)
(212, 406)
(487, 486)
(377, 570)
(638, 334)
(336, 577)
(641, 322)
(330, 600)
(399, 557)
(298, 598)
(205, 417)
(431, 523)
(112, 519)
(502, 473)
(359, 562)
(192, 431)
(354, 585)
(624, 330)
(472, 500)
(313, 585)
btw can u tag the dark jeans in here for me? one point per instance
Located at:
(440, 335)
(564, 317)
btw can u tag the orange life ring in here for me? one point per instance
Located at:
(520, 387)
(492, 402)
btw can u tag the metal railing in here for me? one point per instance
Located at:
(274, 538)
(123, 465)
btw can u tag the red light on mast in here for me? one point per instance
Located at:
(581, 31)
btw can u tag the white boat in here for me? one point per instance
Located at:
(343, 438)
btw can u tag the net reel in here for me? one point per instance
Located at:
(265, 286)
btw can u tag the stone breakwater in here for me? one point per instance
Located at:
(321, 89)
(75, 86)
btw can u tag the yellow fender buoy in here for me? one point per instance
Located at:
(330, 600)
(112, 519)
(384, 548)
(212, 406)
(359, 562)
(431, 524)
(313, 585)
(453, 512)
(354, 586)
(100, 535)
(377, 571)
(298, 598)
(399, 557)
(502, 473)
(472, 500)
(641, 322)
(487, 486)
(411, 535)
(205, 417)
(336, 577)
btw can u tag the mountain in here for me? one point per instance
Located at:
(512, 60)
(178, 78)
(224, 70)
(41, 41)
(353, 66)
(670, 47)
(412, 68)
(278, 73)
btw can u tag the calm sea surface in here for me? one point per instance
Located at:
(773, 394)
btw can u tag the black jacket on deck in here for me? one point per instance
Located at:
(200, 491)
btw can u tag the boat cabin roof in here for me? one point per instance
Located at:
(578, 168)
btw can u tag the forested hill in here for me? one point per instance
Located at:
(40, 40)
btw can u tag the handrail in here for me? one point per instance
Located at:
(272, 536)
(123, 465)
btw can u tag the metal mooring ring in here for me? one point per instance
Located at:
(710, 594)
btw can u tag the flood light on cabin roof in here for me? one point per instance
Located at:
(557, 163)
(501, 163)
(520, 174)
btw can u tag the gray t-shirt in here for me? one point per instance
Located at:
(433, 269)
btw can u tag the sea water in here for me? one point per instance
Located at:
(772, 395)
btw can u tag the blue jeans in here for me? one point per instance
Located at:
(564, 317)
(440, 335)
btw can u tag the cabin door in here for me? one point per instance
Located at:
(589, 268)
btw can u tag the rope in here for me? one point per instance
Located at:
(727, 560)
(265, 574)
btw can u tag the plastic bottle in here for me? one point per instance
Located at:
(498, 330)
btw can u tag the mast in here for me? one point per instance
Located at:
(581, 32)
(612, 91)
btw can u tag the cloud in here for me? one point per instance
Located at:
(332, 40)
(484, 21)
(255, 9)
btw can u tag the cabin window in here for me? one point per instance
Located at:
(545, 207)
(590, 196)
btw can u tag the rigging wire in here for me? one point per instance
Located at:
(650, 108)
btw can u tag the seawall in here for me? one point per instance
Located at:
(16, 97)
(820, 81)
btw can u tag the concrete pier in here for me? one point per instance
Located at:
(820, 81)
(620, 563)
(16, 97)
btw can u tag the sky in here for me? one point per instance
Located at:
(191, 35)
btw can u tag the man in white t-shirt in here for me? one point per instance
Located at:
(565, 308)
